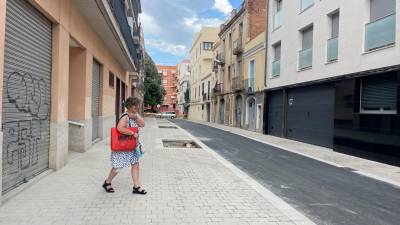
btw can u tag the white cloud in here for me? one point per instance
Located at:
(150, 23)
(195, 23)
(163, 46)
(223, 6)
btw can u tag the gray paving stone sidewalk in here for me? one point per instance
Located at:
(186, 186)
(380, 171)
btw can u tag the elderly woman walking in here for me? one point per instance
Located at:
(119, 160)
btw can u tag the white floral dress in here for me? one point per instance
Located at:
(125, 159)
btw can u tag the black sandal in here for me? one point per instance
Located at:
(138, 190)
(107, 187)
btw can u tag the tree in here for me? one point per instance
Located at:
(154, 92)
(187, 96)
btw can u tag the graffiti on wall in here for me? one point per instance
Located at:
(26, 113)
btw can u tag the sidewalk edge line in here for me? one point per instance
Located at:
(277, 202)
(366, 174)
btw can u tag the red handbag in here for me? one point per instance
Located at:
(122, 142)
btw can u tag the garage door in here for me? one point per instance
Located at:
(26, 93)
(310, 114)
(95, 100)
(275, 113)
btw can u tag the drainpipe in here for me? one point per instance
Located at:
(266, 44)
(264, 128)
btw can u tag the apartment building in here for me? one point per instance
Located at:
(200, 74)
(240, 61)
(184, 76)
(170, 83)
(66, 67)
(333, 75)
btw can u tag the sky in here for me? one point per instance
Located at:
(170, 25)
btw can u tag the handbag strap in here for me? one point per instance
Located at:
(122, 116)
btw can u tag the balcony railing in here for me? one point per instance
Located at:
(218, 89)
(236, 84)
(238, 46)
(380, 33)
(276, 68)
(305, 58)
(305, 4)
(278, 19)
(220, 59)
(119, 11)
(248, 85)
(332, 49)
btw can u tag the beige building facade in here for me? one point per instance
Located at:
(64, 84)
(239, 63)
(200, 74)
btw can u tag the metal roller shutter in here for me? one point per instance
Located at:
(310, 114)
(275, 113)
(95, 100)
(26, 93)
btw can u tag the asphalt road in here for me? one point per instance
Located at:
(326, 194)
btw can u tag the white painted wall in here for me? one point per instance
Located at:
(354, 14)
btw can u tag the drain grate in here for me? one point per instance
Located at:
(168, 127)
(180, 144)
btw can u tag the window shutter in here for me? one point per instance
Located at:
(379, 92)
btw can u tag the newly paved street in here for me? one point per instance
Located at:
(326, 194)
(185, 186)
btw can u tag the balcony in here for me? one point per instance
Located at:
(332, 49)
(238, 47)
(276, 68)
(305, 4)
(218, 89)
(215, 67)
(220, 59)
(305, 59)
(101, 17)
(248, 85)
(206, 97)
(278, 19)
(380, 33)
(119, 10)
(236, 84)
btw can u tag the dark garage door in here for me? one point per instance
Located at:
(310, 114)
(275, 113)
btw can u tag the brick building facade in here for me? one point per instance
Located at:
(170, 83)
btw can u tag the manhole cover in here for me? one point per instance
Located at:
(168, 127)
(180, 144)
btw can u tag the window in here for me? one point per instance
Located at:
(305, 4)
(199, 90)
(230, 40)
(381, 8)
(229, 72)
(278, 14)
(379, 94)
(164, 81)
(276, 64)
(208, 87)
(333, 42)
(207, 46)
(111, 79)
(305, 55)
(381, 31)
(251, 74)
(238, 68)
(202, 88)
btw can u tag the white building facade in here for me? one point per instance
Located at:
(184, 76)
(333, 74)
